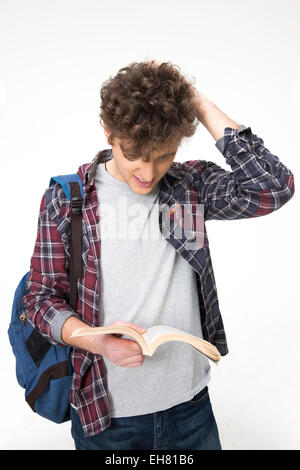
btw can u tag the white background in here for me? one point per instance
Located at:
(245, 58)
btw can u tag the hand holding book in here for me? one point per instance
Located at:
(144, 343)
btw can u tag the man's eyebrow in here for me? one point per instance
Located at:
(160, 156)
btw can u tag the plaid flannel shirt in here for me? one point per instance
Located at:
(257, 184)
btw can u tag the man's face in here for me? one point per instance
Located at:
(131, 171)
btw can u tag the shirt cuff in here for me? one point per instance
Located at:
(220, 143)
(57, 324)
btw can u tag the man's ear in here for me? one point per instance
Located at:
(107, 134)
(106, 131)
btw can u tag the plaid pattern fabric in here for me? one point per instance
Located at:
(257, 184)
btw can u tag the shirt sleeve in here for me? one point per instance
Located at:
(46, 302)
(258, 183)
(221, 142)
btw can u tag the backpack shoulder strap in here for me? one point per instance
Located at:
(65, 180)
(72, 186)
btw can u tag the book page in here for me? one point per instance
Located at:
(159, 330)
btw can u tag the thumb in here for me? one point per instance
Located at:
(132, 325)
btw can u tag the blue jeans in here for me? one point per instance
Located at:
(189, 425)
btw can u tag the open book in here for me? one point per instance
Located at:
(153, 337)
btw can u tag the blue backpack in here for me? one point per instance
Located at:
(43, 369)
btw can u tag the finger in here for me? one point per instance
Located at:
(140, 329)
(133, 325)
(135, 365)
(128, 345)
(132, 364)
(132, 357)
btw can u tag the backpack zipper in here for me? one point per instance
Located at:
(23, 318)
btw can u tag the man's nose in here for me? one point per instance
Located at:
(147, 171)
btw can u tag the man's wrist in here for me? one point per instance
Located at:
(202, 105)
(92, 343)
(57, 324)
(68, 328)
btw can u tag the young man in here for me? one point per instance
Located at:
(145, 274)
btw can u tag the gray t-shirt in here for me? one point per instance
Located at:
(145, 281)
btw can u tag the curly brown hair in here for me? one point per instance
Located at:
(149, 105)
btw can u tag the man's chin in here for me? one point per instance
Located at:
(139, 190)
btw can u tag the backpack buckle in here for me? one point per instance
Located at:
(76, 205)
